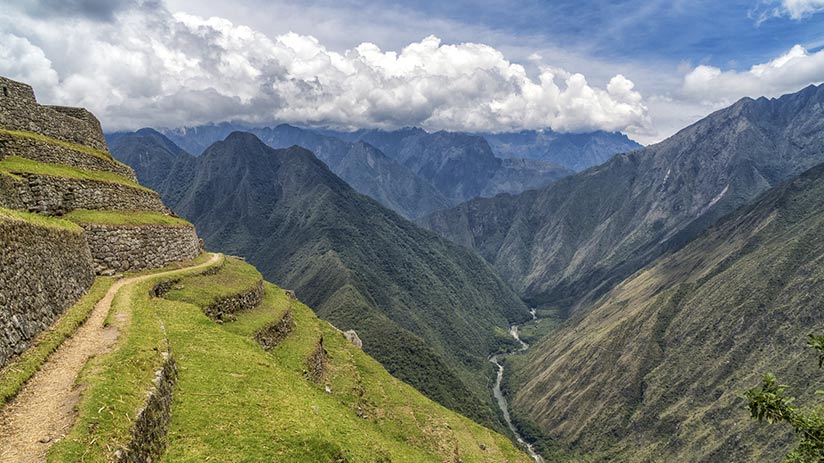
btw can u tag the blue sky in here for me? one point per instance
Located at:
(646, 68)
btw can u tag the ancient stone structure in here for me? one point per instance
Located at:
(43, 271)
(129, 248)
(19, 110)
(148, 439)
(224, 308)
(39, 150)
(316, 362)
(273, 334)
(48, 195)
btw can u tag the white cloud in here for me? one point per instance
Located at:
(798, 9)
(150, 67)
(787, 73)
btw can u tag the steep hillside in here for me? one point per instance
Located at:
(653, 372)
(271, 382)
(365, 168)
(569, 242)
(461, 166)
(425, 308)
(575, 151)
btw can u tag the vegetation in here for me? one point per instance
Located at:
(15, 373)
(18, 165)
(236, 402)
(39, 220)
(72, 146)
(124, 218)
(768, 403)
(427, 309)
(234, 277)
(659, 359)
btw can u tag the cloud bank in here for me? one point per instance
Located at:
(146, 66)
(785, 74)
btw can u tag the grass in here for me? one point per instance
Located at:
(85, 216)
(39, 220)
(235, 402)
(235, 277)
(18, 165)
(53, 141)
(19, 370)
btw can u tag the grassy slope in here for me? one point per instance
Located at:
(15, 373)
(85, 216)
(72, 146)
(654, 370)
(39, 220)
(236, 402)
(18, 165)
(425, 308)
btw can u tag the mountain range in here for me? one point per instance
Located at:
(564, 245)
(426, 308)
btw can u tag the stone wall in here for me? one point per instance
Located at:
(43, 272)
(49, 195)
(122, 248)
(148, 440)
(19, 110)
(273, 334)
(41, 151)
(224, 308)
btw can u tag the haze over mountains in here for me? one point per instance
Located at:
(415, 172)
(682, 263)
(567, 243)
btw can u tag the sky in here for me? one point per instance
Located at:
(644, 68)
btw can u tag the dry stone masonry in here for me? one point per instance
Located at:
(122, 248)
(38, 150)
(19, 110)
(224, 309)
(273, 334)
(43, 271)
(49, 195)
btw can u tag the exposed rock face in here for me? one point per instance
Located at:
(352, 336)
(49, 195)
(41, 151)
(224, 308)
(131, 248)
(19, 111)
(43, 271)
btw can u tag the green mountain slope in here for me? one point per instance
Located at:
(425, 308)
(654, 370)
(573, 240)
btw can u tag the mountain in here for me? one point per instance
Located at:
(654, 370)
(575, 151)
(424, 307)
(564, 245)
(459, 165)
(365, 168)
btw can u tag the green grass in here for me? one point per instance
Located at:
(234, 402)
(85, 216)
(16, 373)
(18, 165)
(235, 277)
(53, 141)
(39, 220)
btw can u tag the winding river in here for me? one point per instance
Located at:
(499, 396)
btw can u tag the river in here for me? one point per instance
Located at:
(499, 396)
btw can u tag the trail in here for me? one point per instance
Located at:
(499, 396)
(44, 410)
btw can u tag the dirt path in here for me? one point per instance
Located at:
(43, 411)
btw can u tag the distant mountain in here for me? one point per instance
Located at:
(459, 165)
(365, 168)
(575, 151)
(654, 370)
(424, 307)
(573, 240)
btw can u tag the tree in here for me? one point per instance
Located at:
(768, 403)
